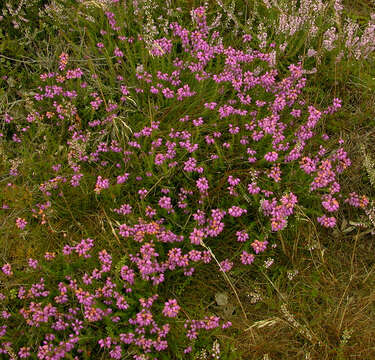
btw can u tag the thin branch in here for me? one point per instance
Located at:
(225, 277)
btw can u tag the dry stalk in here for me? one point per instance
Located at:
(303, 330)
(225, 277)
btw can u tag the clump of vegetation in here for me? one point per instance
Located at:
(154, 163)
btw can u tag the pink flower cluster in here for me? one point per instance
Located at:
(327, 221)
(81, 248)
(7, 269)
(202, 185)
(21, 223)
(279, 213)
(161, 47)
(101, 184)
(171, 308)
(259, 246)
(357, 201)
(208, 323)
(64, 57)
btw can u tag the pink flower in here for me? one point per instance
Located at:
(118, 52)
(74, 74)
(247, 258)
(24, 352)
(357, 201)
(278, 223)
(233, 181)
(271, 156)
(210, 106)
(246, 38)
(236, 211)
(101, 184)
(330, 203)
(7, 269)
(116, 353)
(253, 188)
(127, 274)
(226, 265)
(49, 256)
(150, 212)
(105, 342)
(124, 209)
(122, 178)
(142, 193)
(202, 185)
(171, 308)
(242, 236)
(196, 236)
(165, 202)
(21, 223)
(161, 46)
(168, 93)
(32, 263)
(328, 222)
(56, 167)
(226, 325)
(259, 246)
(63, 61)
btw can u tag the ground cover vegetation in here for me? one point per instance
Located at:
(187, 179)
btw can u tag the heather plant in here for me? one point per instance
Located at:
(333, 41)
(19, 14)
(74, 308)
(187, 145)
(311, 29)
(267, 139)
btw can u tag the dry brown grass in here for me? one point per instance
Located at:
(327, 311)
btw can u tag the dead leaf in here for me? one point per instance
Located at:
(221, 299)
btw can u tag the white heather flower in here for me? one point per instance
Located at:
(268, 263)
